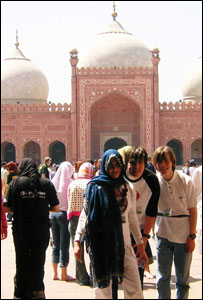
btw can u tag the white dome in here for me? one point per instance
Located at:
(192, 82)
(22, 81)
(115, 47)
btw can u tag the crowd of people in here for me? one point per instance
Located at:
(110, 206)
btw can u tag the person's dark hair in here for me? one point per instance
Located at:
(90, 161)
(138, 154)
(47, 159)
(160, 154)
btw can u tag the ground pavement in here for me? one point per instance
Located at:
(72, 290)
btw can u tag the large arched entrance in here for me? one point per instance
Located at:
(114, 116)
(32, 150)
(178, 150)
(57, 152)
(8, 152)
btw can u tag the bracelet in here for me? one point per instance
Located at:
(146, 235)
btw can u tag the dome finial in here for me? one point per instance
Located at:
(16, 43)
(114, 14)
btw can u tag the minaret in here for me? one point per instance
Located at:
(73, 61)
(155, 61)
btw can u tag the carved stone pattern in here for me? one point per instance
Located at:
(107, 86)
(115, 72)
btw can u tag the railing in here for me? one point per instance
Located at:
(190, 106)
(177, 106)
(36, 107)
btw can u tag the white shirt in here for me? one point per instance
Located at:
(144, 194)
(192, 170)
(131, 222)
(176, 195)
(197, 181)
(2, 172)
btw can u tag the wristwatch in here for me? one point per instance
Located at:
(192, 236)
(146, 235)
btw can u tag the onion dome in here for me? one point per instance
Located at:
(21, 81)
(115, 47)
(192, 82)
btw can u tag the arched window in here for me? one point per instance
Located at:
(196, 151)
(178, 150)
(57, 152)
(32, 150)
(114, 143)
(8, 152)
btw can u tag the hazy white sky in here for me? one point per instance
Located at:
(48, 30)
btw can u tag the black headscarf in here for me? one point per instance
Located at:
(29, 169)
(104, 224)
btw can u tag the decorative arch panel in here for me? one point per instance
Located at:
(139, 90)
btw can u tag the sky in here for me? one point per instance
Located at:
(49, 30)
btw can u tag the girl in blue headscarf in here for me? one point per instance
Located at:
(107, 218)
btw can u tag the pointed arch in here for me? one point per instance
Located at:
(57, 152)
(114, 143)
(177, 147)
(8, 152)
(114, 116)
(32, 150)
(196, 151)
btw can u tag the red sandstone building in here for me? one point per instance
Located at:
(115, 102)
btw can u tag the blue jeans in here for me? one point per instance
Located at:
(61, 238)
(166, 253)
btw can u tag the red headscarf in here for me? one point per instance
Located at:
(12, 167)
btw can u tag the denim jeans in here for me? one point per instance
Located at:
(81, 271)
(167, 252)
(61, 238)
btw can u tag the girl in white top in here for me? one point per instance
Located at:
(110, 216)
(59, 222)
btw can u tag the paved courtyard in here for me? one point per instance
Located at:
(72, 290)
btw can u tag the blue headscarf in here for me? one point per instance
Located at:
(104, 224)
(105, 163)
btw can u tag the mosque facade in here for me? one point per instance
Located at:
(115, 102)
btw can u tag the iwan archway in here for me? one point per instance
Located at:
(114, 117)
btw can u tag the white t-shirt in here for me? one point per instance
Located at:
(143, 194)
(197, 181)
(177, 196)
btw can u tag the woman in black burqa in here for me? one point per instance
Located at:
(30, 198)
